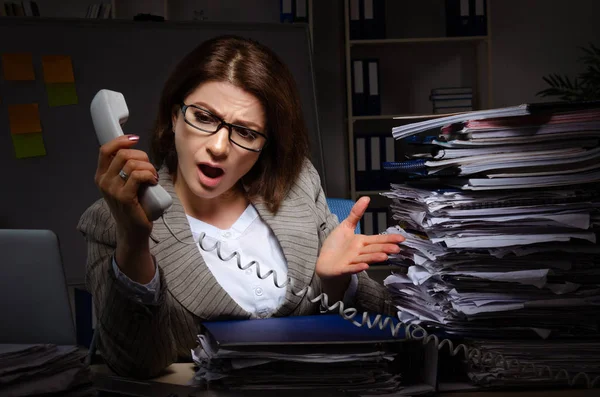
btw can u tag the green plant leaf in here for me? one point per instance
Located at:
(585, 86)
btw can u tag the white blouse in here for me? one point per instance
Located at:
(254, 240)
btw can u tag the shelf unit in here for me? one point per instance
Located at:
(359, 125)
(258, 11)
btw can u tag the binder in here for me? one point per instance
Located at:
(301, 11)
(367, 162)
(479, 19)
(315, 329)
(367, 223)
(360, 163)
(382, 220)
(359, 93)
(370, 153)
(458, 18)
(374, 221)
(465, 17)
(373, 19)
(287, 11)
(389, 151)
(375, 151)
(355, 9)
(372, 80)
(389, 148)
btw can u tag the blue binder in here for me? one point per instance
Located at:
(317, 329)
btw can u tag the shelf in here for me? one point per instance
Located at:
(420, 40)
(415, 57)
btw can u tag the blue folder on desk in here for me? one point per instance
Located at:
(318, 329)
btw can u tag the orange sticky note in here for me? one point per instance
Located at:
(24, 119)
(18, 67)
(57, 69)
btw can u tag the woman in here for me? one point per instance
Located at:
(231, 148)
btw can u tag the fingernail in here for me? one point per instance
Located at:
(133, 137)
(156, 177)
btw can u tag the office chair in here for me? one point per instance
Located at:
(34, 300)
(341, 208)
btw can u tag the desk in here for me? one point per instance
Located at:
(177, 376)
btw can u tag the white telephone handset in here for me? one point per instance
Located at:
(109, 111)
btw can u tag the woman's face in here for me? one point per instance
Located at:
(210, 164)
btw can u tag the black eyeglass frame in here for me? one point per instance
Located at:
(222, 123)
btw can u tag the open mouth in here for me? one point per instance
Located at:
(211, 172)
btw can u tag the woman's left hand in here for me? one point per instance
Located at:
(344, 253)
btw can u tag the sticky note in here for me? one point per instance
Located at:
(28, 145)
(18, 67)
(57, 69)
(61, 94)
(24, 119)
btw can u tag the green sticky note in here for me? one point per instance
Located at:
(28, 145)
(61, 94)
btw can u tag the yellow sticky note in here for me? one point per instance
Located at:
(18, 67)
(24, 119)
(57, 69)
(61, 94)
(28, 145)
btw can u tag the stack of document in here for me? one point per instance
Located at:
(355, 368)
(550, 358)
(49, 370)
(324, 353)
(501, 225)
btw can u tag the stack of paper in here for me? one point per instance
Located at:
(356, 368)
(49, 370)
(324, 353)
(550, 358)
(501, 227)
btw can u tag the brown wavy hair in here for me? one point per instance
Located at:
(257, 70)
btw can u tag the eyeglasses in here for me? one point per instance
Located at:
(203, 120)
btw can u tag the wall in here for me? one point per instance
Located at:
(330, 76)
(532, 38)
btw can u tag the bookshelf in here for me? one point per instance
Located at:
(414, 57)
(238, 11)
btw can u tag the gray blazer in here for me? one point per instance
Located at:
(141, 340)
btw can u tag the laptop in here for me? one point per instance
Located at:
(34, 300)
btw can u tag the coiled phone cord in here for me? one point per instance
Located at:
(411, 331)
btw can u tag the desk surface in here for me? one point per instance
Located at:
(181, 374)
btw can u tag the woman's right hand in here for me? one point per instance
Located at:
(122, 195)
